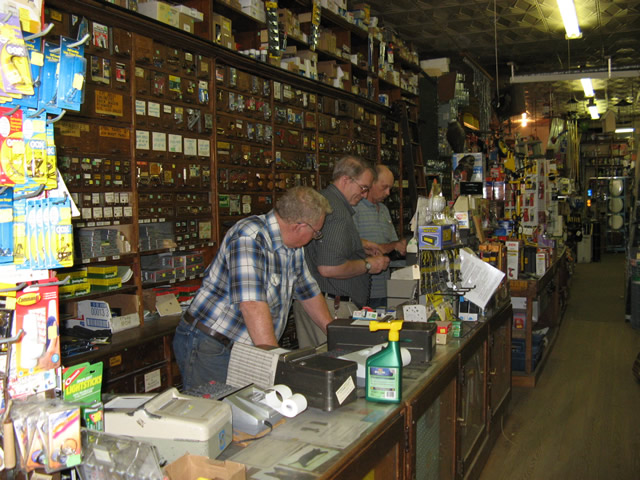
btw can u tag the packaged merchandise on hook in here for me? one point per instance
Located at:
(47, 434)
(32, 355)
(15, 71)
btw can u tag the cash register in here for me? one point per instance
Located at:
(173, 422)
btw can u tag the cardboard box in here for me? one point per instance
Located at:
(186, 23)
(197, 15)
(192, 467)
(435, 237)
(163, 12)
(328, 68)
(221, 28)
(96, 314)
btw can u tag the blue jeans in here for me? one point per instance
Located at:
(200, 357)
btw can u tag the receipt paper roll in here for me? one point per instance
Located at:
(277, 395)
(294, 405)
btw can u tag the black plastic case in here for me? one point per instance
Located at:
(328, 383)
(418, 337)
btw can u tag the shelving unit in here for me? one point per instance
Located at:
(549, 292)
(611, 208)
(174, 144)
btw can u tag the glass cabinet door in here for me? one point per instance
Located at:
(499, 366)
(472, 412)
(435, 430)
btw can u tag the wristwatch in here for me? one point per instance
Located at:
(367, 265)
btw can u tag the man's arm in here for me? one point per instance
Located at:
(353, 268)
(257, 317)
(316, 308)
(400, 246)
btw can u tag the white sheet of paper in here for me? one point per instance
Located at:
(482, 279)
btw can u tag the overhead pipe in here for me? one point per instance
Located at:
(626, 72)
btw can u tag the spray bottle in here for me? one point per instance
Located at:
(384, 369)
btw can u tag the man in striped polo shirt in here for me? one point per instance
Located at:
(374, 224)
(338, 261)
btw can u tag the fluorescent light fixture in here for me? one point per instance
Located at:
(625, 130)
(593, 109)
(569, 18)
(587, 86)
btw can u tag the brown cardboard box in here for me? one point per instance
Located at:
(192, 467)
(329, 68)
(221, 27)
(186, 23)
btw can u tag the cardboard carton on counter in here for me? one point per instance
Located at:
(192, 467)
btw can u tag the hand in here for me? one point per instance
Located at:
(401, 246)
(378, 263)
(371, 248)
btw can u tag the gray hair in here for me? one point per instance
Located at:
(352, 167)
(302, 204)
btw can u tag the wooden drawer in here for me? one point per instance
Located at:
(153, 380)
(133, 359)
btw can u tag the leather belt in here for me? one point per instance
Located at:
(342, 298)
(227, 342)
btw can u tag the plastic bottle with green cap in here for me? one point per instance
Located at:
(384, 369)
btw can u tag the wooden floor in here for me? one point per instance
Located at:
(582, 420)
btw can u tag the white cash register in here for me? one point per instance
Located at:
(173, 422)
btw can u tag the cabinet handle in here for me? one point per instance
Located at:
(462, 421)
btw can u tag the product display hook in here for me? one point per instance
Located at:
(55, 119)
(13, 339)
(42, 33)
(31, 194)
(74, 44)
(17, 288)
(11, 112)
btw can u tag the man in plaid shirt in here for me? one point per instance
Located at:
(248, 288)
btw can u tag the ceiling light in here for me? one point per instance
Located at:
(569, 18)
(587, 86)
(593, 109)
(524, 120)
(625, 130)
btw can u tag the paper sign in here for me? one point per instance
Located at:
(168, 305)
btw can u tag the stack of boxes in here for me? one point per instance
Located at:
(165, 267)
(221, 28)
(101, 242)
(179, 16)
(103, 278)
(77, 284)
(155, 236)
(254, 9)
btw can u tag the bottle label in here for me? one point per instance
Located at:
(384, 383)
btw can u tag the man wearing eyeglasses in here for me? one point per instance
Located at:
(373, 221)
(247, 290)
(338, 260)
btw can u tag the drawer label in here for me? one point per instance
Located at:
(115, 360)
(108, 103)
(152, 380)
(72, 129)
(114, 132)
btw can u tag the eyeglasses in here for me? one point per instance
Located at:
(317, 234)
(363, 188)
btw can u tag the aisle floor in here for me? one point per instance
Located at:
(582, 419)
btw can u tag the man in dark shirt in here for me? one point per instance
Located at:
(338, 261)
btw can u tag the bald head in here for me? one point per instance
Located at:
(381, 187)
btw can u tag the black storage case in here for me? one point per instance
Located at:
(418, 337)
(319, 378)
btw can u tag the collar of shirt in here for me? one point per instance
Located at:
(334, 191)
(275, 234)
